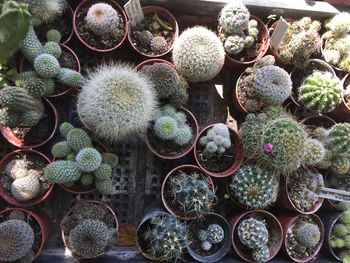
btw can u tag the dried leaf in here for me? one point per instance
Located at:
(127, 235)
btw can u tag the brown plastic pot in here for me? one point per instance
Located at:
(165, 185)
(275, 230)
(94, 202)
(265, 43)
(187, 149)
(117, 7)
(25, 65)
(41, 219)
(11, 137)
(151, 62)
(163, 13)
(238, 154)
(286, 221)
(7, 196)
(329, 221)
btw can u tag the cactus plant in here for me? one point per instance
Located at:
(110, 158)
(104, 172)
(53, 35)
(315, 152)
(78, 139)
(308, 235)
(202, 235)
(124, 102)
(340, 235)
(339, 139)
(53, 48)
(340, 165)
(104, 186)
(25, 188)
(88, 159)
(165, 127)
(261, 254)
(61, 150)
(31, 46)
(253, 233)
(159, 44)
(254, 187)
(215, 233)
(46, 65)
(234, 18)
(46, 10)
(17, 168)
(198, 54)
(35, 85)
(234, 44)
(19, 237)
(62, 172)
(70, 77)
(65, 128)
(339, 25)
(87, 179)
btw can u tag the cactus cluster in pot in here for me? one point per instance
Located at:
(212, 235)
(340, 237)
(79, 160)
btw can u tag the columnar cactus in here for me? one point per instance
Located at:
(62, 172)
(31, 46)
(198, 54)
(308, 235)
(19, 237)
(61, 150)
(253, 233)
(70, 77)
(320, 92)
(25, 188)
(253, 187)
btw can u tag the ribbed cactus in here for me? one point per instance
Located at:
(53, 35)
(52, 48)
(25, 188)
(78, 139)
(19, 237)
(46, 65)
(124, 102)
(198, 54)
(253, 233)
(234, 18)
(215, 233)
(90, 238)
(273, 84)
(31, 46)
(315, 152)
(103, 20)
(308, 235)
(35, 85)
(70, 77)
(254, 187)
(320, 92)
(62, 172)
(339, 139)
(88, 159)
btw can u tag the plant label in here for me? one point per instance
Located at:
(279, 32)
(334, 194)
(134, 12)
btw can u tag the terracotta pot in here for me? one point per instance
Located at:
(236, 101)
(187, 149)
(168, 205)
(117, 7)
(329, 221)
(7, 196)
(25, 65)
(163, 13)
(152, 61)
(275, 234)
(41, 219)
(343, 109)
(238, 154)
(94, 202)
(286, 221)
(265, 42)
(11, 137)
(213, 218)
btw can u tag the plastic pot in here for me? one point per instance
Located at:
(116, 6)
(194, 125)
(41, 219)
(163, 13)
(236, 163)
(165, 187)
(286, 221)
(93, 202)
(329, 221)
(151, 62)
(25, 65)
(275, 234)
(7, 196)
(213, 218)
(12, 138)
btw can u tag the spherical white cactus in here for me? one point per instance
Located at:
(25, 188)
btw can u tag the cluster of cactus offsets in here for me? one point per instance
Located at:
(254, 187)
(321, 92)
(340, 235)
(191, 194)
(90, 238)
(79, 160)
(300, 42)
(171, 125)
(216, 141)
(103, 20)
(168, 84)
(167, 238)
(254, 234)
(198, 54)
(273, 84)
(18, 240)
(124, 101)
(214, 234)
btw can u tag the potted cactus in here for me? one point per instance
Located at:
(340, 182)
(100, 25)
(300, 42)
(218, 150)
(256, 235)
(154, 36)
(89, 229)
(245, 37)
(22, 181)
(210, 237)
(256, 87)
(25, 233)
(81, 167)
(302, 236)
(187, 192)
(161, 236)
(198, 54)
(173, 132)
(253, 188)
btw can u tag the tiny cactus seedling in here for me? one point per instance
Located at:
(253, 233)
(234, 44)
(159, 45)
(339, 139)
(340, 234)
(202, 235)
(206, 245)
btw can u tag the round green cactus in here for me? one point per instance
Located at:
(31, 46)
(340, 24)
(339, 139)
(88, 159)
(61, 150)
(315, 152)
(104, 172)
(159, 44)
(198, 54)
(320, 92)
(19, 238)
(60, 172)
(144, 37)
(78, 139)
(253, 187)
(345, 217)
(53, 35)
(234, 18)
(9, 118)
(53, 49)
(253, 233)
(308, 235)
(36, 86)
(340, 165)
(202, 235)
(87, 179)
(64, 128)
(261, 254)
(46, 65)
(181, 118)
(70, 77)
(25, 188)
(104, 186)
(340, 230)
(183, 135)
(234, 44)
(111, 159)
(165, 127)
(71, 156)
